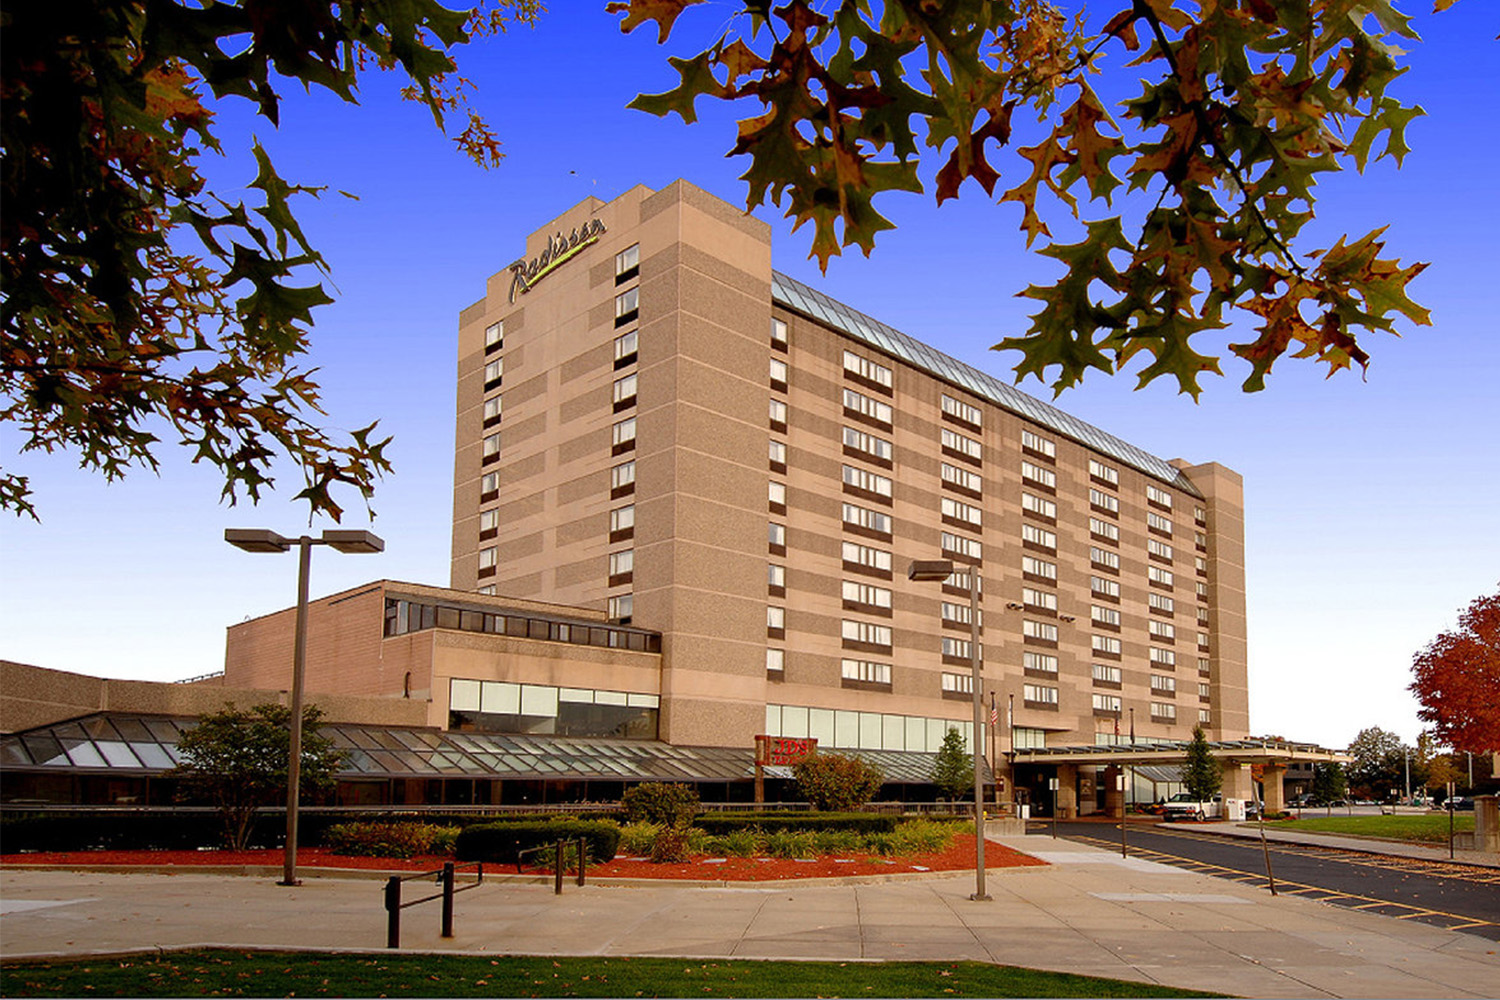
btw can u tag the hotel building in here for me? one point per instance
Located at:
(654, 424)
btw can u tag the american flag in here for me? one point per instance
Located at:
(994, 716)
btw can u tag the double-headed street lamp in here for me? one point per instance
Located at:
(265, 540)
(942, 569)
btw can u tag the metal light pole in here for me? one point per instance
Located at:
(265, 540)
(941, 569)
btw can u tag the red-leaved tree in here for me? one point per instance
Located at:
(1457, 679)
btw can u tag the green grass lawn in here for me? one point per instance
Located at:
(1431, 828)
(270, 974)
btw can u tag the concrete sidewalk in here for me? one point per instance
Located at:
(1423, 852)
(1088, 912)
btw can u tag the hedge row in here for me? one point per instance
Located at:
(719, 824)
(503, 842)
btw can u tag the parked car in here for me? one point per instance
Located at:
(1184, 806)
(1460, 803)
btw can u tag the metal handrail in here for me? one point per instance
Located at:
(394, 904)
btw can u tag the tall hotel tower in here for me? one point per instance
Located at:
(653, 422)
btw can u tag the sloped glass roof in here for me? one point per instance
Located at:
(139, 745)
(812, 303)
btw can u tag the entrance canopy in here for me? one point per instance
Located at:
(1274, 752)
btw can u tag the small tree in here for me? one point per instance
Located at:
(835, 783)
(237, 759)
(1200, 773)
(953, 771)
(660, 803)
(1329, 784)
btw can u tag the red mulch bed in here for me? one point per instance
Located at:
(959, 857)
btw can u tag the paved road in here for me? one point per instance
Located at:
(1452, 896)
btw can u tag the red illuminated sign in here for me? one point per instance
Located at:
(783, 750)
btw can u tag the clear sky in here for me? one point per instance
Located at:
(1372, 505)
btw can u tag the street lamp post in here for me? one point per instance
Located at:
(265, 540)
(941, 569)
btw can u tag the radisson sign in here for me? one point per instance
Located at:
(560, 250)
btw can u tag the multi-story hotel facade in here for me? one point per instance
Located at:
(653, 423)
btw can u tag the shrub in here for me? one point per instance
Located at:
(636, 839)
(660, 803)
(742, 843)
(671, 845)
(833, 782)
(791, 844)
(503, 842)
(724, 823)
(389, 840)
(921, 836)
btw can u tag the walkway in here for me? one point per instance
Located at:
(1089, 912)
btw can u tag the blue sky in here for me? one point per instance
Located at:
(1371, 504)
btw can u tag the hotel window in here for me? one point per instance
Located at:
(1104, 529)
(864, 593)
(1155, 520)
(622, 475)
(1045, 631)
(869, 444)
(1039, 536)
(1202, 664)
(962, 411)
(1033, 598)
(1203, 617)
(863, 479)
(1203, 716)
(1039, 567)
(864, 555)
(628, 262)
(858, 402)
(1200, 515)
(1160, 496)
(1038, 505)
(776, 494)
(1162, 684)
(1104, 557)
(1105, 644)
(1159, 548)
(489, 483)
(1023, 738)
(1039, 663)
(1200, 564)
(959, 580)
(775, 618)
(1038, 694)
(958, 683)
(776, 535)
(493, 371)
(962, 478)
(491, 410)
(867, 369)
(955, 441)
(1164, 711)
(776, 576)
(778, 453)
(622, 434)
(622, 562)
(1163, 630)
(624, 393)
(1158, 575)
(1106, 674)
(1038, 444)
(778, 373)
(866, 632)
(1162, 603)
(958, 614)
(627, 306)
(775, 661)
(778, 414)
(1164, 657)
(1104, 616)
(959, 511)
(491, 447)
(1037, 474)
(961, 545)
(1200, 540)
(494, 336)
(1203, 690)
(1106, 588)
(864, 517)
(1107, 703)
(1202, 590)
(1104, 473)
(622, 518)
(865, 671)
(625, 346)
(621, 607)
(487, 557)
(778, 333)
(957, 649)
(1102, 500)
(1202, 640)
(489, 520)
(488, 589)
